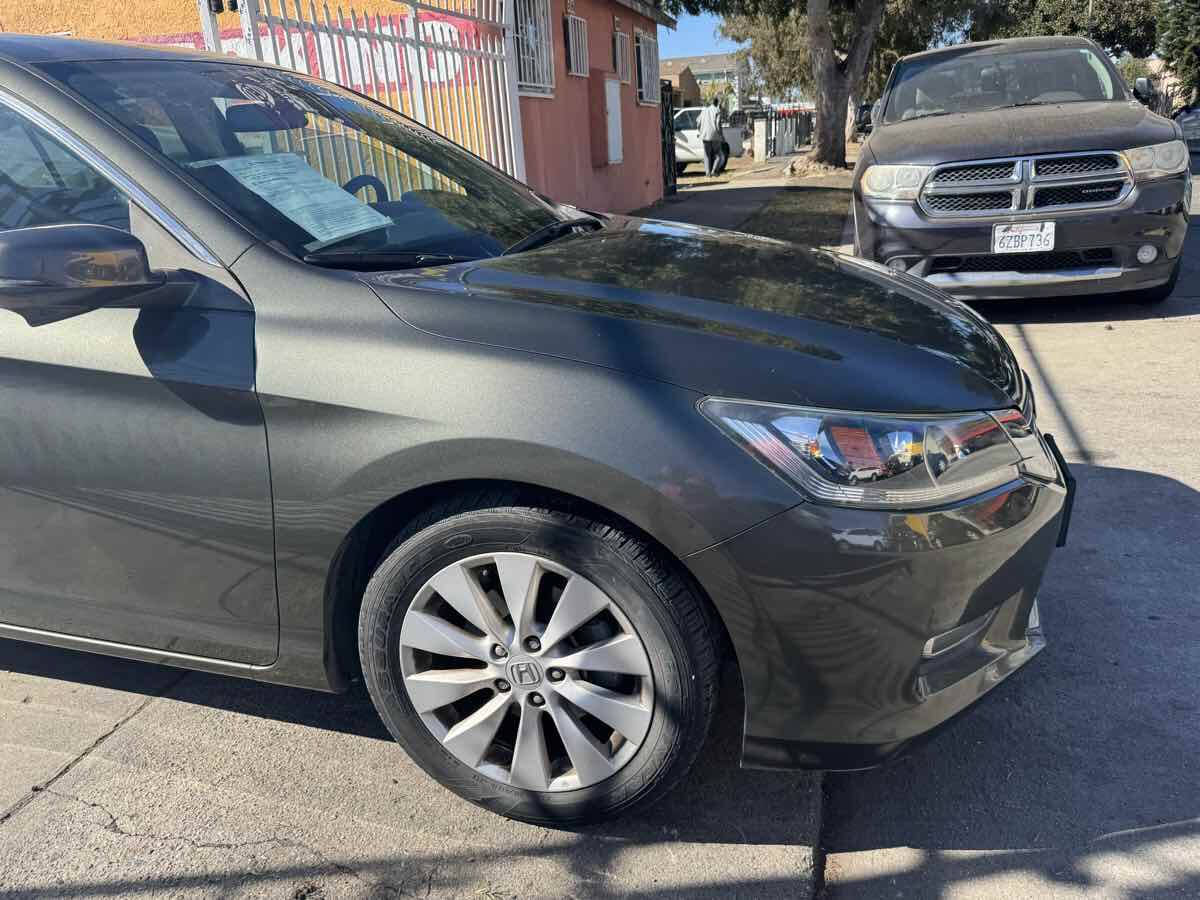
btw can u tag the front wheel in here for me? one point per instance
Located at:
(540, 664)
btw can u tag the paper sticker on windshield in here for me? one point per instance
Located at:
(303, 194)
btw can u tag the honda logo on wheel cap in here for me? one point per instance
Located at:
(524, 673)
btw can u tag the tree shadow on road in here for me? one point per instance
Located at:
(1088, 757)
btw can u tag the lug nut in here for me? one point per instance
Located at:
(556, 675)
(537, 699)
(532, 644)
(499, 652)
(503, 686)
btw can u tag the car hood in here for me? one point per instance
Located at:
(723, 314)
(1052, 128)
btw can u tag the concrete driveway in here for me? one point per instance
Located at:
(120, 778)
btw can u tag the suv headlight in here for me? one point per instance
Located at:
(1158, 160)
(885, 462)
(893, 182)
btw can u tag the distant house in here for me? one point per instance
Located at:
(717, 69)
(685, 90)
(587, 74)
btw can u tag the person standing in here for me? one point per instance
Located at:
(710, 134)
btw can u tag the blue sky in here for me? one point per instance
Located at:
(695, 36)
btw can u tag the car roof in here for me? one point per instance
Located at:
(1046, 42)
(25, 49)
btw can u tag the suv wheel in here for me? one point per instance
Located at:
(538, 663)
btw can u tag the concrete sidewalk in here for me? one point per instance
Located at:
(125, 779)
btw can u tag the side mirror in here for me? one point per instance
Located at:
(876, 111)
(1142, 89)
(52, 272)
(72, 257)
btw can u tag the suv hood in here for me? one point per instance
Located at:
(723, 314)
(1052, 128)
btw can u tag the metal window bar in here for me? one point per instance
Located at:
(647, 68)
(535, 50)
(621, 57)
(575, 33)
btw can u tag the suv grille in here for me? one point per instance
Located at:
(945, 203)
(1087, 180)
(979, 172)
(1066, 195)
(1076, 165)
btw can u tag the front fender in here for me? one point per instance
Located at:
(361, 408)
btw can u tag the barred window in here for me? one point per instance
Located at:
(576, 41)
(535, 50)
(646, 49)
(621, 56)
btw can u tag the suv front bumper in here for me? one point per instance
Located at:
(1155, 213)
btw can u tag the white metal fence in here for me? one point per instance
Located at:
(451, 66)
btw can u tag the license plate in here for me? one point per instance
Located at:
(1023, 237)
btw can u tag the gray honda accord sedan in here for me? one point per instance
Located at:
(294, 389)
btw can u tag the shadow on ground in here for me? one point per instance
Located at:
(1089, 754)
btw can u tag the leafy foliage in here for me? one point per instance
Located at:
(777, 46)
(1179, 44)
(1119, 26)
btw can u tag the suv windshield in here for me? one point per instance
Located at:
(329, 175)
(971, 81)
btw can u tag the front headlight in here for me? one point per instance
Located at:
(1158, 160)
(893, 182)
(880, 461)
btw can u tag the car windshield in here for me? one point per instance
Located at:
(326, 173)
(974, 81)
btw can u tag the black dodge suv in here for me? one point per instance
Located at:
(1022, 168)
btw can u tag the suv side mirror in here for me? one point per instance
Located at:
(1142, 89)
(52, 272)
(876, 111)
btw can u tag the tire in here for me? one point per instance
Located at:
(1153, 295)
(650, 597)
(680, 168)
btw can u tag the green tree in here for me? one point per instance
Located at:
(778, 45)
(1119, 26)
(1179, 45)
(839, 39)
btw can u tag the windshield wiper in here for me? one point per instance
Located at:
(382, 259)
(552, 232)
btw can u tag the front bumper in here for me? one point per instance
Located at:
(1154, 213)
(849, 652)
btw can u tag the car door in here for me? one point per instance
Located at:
(135, 503)
(687, 135)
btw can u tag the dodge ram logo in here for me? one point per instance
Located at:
(524, 672)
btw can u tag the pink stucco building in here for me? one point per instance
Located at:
(589, 99)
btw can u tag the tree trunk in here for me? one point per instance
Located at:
(837, 78)
(829, 127)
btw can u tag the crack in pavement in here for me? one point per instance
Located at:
(380, 888)
(45, 785)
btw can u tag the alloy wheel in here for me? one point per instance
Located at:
(526, 671)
